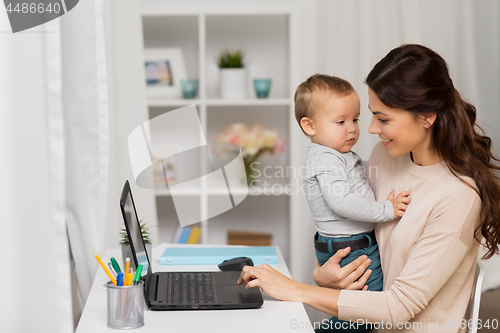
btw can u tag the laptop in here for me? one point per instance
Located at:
(183, 290)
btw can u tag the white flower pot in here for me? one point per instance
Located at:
(233, 83)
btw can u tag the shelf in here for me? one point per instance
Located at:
(267, 34)
(167, 193)
(154, 8)
(165, 102)
(175, 32)
(249, 102)
(254, 191)
(265, 42)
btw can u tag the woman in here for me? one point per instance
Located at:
(430, 148)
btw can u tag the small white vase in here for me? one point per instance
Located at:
(233, 83)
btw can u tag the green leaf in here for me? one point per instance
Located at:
(144, 231)
(231, 59)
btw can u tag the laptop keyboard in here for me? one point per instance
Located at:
(190, 288)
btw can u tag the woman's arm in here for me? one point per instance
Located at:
(283, 288)
(324, 299)
(443, 245)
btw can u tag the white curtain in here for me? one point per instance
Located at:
(357, 34)
(53, 169)
(85, 103)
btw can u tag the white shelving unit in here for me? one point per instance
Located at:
(267, 35)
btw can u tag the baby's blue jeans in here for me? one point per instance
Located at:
(375, 282)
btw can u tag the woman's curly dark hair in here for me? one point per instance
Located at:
(415, 78)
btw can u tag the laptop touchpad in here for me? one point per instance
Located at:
(235, 288)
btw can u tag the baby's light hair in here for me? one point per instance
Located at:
(304, 95)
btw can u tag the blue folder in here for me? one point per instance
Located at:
(216, 255)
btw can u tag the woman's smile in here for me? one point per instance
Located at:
(386, 142)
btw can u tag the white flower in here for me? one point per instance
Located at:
(251, 140)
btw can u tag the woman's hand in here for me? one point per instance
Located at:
(351, 276)
(270, 281)
(280, 287)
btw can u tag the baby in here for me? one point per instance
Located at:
(342, 203)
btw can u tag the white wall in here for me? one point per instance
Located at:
(127, 109)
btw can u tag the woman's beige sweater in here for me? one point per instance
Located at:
(428, 256)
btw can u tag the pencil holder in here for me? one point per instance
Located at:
(125, 305)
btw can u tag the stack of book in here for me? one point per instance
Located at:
(187, 235)
(249, 238)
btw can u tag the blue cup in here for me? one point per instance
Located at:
(262, 87)
(189, 88)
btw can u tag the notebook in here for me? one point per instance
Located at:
(215, 255)
(183, 290)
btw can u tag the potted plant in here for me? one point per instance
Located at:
(233, 74)
(125, 244)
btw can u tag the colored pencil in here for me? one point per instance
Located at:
(111, 277)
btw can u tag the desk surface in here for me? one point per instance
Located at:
(273, 316)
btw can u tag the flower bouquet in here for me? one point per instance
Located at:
(253, 141)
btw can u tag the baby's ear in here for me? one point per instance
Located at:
(308, 126)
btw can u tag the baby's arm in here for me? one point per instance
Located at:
(334, 183)
(399, 203)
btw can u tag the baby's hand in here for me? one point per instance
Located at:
(399, 203)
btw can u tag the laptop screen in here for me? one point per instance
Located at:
(133, 228)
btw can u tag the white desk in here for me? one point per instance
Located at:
(273, 316)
